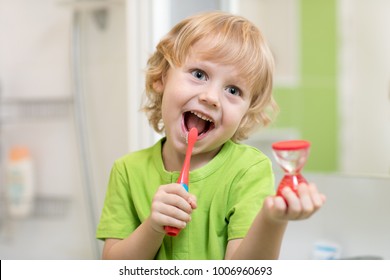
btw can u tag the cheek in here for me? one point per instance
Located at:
(166, 108)
(243, 121)
(238, 123)
(232, 121)
(235, 114)
(171, 104)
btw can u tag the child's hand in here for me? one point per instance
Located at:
(294, 207)
(172, 206)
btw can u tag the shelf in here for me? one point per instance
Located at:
(19, 109)
(44, 207)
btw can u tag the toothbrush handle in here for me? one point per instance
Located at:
(185, 172)
(172, 231)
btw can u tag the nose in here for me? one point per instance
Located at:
(210, 96)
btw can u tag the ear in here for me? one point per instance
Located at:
(158, 86)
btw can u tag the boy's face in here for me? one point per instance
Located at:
(209, 95)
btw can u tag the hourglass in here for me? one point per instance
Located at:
(291, 155)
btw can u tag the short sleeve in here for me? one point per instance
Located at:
(118, 218)
(246, 197)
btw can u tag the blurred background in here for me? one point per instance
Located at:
(71, 85)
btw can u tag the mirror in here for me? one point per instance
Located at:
(332, 77)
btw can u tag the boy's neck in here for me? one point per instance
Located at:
(173, 161)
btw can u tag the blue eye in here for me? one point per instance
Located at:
(233, 90)
(199, 74)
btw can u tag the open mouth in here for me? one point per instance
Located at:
(203, 123)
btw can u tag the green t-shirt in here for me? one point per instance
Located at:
(230, 191)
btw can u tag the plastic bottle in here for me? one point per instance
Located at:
(326, 250)
(20, 188)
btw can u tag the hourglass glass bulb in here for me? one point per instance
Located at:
(291, 155)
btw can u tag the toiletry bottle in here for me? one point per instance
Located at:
(20, 182)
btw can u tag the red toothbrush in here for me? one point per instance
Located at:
(183, 179)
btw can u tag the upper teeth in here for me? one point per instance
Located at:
(203, 117)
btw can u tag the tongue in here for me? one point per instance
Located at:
(194, 121)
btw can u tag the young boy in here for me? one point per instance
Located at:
(212, 71)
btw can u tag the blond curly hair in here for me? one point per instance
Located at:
(231, 39)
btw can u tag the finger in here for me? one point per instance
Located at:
(176, 195)
(173, 213)
(311, 199)
(317, 197)
(162, 220)
(177, 214)
(190, 198)
(180, 191)
(179, 202)
(177, 189)
(166, 220)
(294, 204)
(306, 199)
(269, 202)
(280, 207)
(275, 206)
(192, 201)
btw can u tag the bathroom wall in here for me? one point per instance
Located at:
(355, 218)
(355, 215)
(104, 85)
(38, 107)
(331, 105)
(364, 81)
(311, 106)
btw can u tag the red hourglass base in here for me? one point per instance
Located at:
(291, 181)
